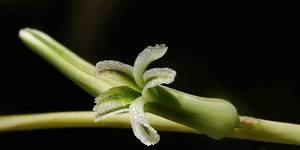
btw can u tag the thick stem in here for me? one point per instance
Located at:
(252, 129)
(61, 50)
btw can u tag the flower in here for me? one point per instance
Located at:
(132, 83)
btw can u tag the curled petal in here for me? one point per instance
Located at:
(113, 65)
(157, 76)
(147, 56)
(141, 128)
(113, 101)
(116, 73)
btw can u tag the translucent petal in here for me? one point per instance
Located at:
(147, 56)
(116, 73)
(158, 76)
(108, 115)
(112, 101)
(108, 109)
(141, 128)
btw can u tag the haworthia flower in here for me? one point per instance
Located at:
(133, 89)
(129, 82)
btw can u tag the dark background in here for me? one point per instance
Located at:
(246, 54)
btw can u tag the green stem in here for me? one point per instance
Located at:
(267, 131)
(252, 129)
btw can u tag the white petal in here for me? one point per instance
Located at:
(158, 76)
(147, 56)
(108, 109)
(104, 107)
(141, 128)
(116, 73)
(113, 65)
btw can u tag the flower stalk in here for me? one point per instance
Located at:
(214, 117)
(265, 130)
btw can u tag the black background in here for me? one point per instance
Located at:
(245, 53)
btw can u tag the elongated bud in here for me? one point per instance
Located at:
(214, 117)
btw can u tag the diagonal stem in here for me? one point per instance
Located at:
(61, 50)
(64, 63)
